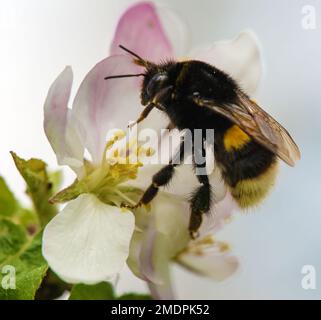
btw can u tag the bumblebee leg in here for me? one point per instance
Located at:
(143, 115)
(161, 178)
(200, 201)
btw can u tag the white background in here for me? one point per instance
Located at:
(38, 38)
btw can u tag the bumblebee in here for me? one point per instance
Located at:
(248, 141)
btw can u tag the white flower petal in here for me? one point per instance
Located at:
(61, 134)
(167, 219)
(88, 241)
(169, 212)
(240, 58)
(176, 30)
(101, 105)
(165, 234)
(214, 264)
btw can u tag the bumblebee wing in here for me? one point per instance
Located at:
(260, 126)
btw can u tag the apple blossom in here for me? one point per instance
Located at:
(92, 237)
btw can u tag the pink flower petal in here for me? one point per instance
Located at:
(221, 212)
(161, 292)
(149, 260)
(240, 58)
(140, 30)
(56, 122)
(155, 263)
(101, 105)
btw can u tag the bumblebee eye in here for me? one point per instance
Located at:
(155, 83)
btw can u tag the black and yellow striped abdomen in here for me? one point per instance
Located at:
(248, 168)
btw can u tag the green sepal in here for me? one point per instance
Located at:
(39, 187)
(69, 193)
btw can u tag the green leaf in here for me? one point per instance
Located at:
(11, 209)
(25, 258)
(134, 296)
(100, 291)
(27, 219)
(39, 187)
(8, 203)
(12, 239)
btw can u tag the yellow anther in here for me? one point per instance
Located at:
(208, 240)
(111, 161)
(141, 151)
(118, 135)
(224, 247)
(150, 152)
(116, 153)
(132, 175)
(110, 143)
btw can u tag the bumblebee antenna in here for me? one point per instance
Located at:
(132, 53)
(125, 76)
(140, 61)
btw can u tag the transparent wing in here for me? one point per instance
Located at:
(259, 125)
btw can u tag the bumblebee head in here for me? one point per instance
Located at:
(157, 87)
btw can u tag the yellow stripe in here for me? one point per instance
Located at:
(235, 138)
(249, 192)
